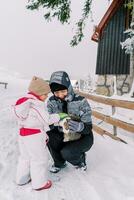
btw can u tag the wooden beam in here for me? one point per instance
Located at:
(106, 18)
(109, 101)
(102, 132)
(115, 122)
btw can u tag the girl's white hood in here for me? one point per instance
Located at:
(22, 108)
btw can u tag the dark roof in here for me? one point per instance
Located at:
(106, 18)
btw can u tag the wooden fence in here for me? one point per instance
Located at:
(4, 83)
(109, 119)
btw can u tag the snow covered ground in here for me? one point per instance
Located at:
(110, 174)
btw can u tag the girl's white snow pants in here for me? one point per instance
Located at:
(33, 160)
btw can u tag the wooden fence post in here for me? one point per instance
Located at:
(114, 127)
(6, 85)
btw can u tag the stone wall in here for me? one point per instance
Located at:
(105, 84)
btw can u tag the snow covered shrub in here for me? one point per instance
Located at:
(128, 44)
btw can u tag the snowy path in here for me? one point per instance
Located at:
(110, 173)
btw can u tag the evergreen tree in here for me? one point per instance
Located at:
(128, 44)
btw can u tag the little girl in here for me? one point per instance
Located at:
(34, 121)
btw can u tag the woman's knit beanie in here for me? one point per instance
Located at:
(39, 86)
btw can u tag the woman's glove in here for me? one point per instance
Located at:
(75, 127)
(63, 115)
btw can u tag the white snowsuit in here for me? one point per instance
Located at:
(34, 121)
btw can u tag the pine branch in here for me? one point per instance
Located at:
(77, 38)
(129, 4)
(61, 10)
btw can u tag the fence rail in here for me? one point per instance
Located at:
(109, 119)
(113, 121)
(109, 101)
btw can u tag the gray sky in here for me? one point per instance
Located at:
(31, 46)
